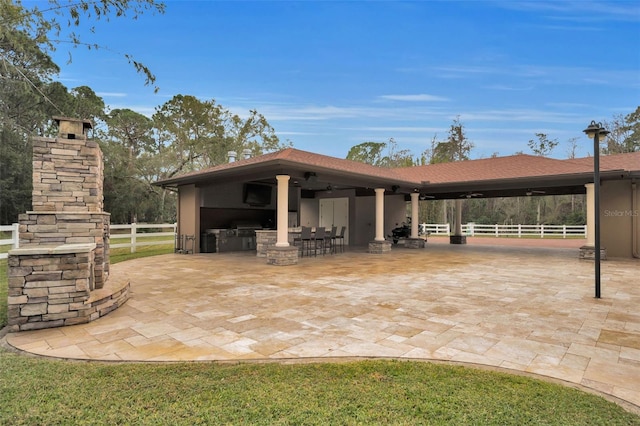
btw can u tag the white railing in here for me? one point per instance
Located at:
(14, 241)
(133, 235)
(542, 231)
(434, 229)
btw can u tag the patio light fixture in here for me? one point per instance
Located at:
(598, 133)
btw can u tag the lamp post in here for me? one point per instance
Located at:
(595, 131)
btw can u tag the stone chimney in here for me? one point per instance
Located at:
(68, 170)
(68, 200)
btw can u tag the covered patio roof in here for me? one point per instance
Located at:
(515, 175)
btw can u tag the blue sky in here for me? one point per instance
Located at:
(329, 75)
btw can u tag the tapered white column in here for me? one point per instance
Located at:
(415, 198)
(379, 214)
(458, 225)
(282, 212)
(591, 215)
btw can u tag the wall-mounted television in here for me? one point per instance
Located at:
(256, 194)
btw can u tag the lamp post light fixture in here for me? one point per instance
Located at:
(598, 133)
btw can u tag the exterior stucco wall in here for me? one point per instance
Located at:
(309, 212)
(395, 209)
(617, 214)
(364, 226)
(189, 213)
(395, 212)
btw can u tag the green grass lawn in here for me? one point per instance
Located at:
(44, 391)
(40, 391)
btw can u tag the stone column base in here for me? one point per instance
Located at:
(457, 239)
(282, 256)
(414, 243)
(589, 253)
(379, 247)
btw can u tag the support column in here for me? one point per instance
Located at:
(379, 214)
(379, 244)
(282, 212)
(457, 237)
(415, 197)
(414, 241)
(591, 215)
(282, 253)
(587, 251)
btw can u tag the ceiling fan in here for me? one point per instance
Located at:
(426, 197)
(531, 192)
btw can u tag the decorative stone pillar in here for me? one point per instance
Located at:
(457, 237)
(379, 244)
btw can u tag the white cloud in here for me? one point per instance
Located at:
(112, 94)
(395, 129)
(415, 98)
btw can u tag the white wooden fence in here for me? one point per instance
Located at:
(133, 235)
(14, 241)
(542, 231)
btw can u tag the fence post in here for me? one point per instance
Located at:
(519, 230)
(542, 231)
(15, 236)
(497, 233)
(564, 231)
(133, 237)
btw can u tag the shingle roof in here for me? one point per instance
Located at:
(486, 169)
(629, 162)
(291, 156)
(497, 168)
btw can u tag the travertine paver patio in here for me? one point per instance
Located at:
(526, 309)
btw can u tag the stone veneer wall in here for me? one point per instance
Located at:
(56, 228)
(68, 175)
(48, 287)
(51, 287)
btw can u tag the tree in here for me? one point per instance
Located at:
(624, 133)
(374, 153)
(456, 148)
(15, 175)
(543, 146)
(43, 29)
(194, 134)
(28, 95)
(367, 152)
(632, 126)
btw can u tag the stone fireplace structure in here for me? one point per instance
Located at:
(56, 277)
